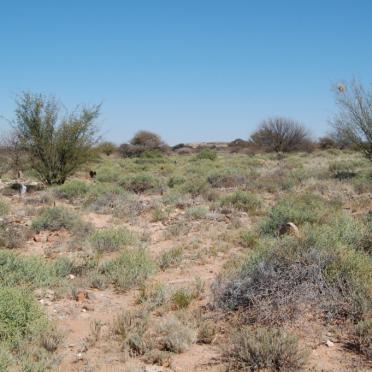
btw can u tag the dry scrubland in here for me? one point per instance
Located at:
(175, 263)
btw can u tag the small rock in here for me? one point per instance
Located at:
(329, 343)
(71, 276)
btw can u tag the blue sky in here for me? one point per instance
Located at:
(190, 70)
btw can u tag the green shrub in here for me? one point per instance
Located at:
(72, 190)
(182, 298)
(111, 239)
(20, 315)
(171, 257)
(298, 209)
(54, 219)
(363, 341)
(175, 181)
(26, 271)
(242, 201)
(207, 154)
(196, 213)
(130, 269)
(270, 349)
(248, 239)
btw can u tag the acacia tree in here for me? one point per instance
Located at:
(354, 119)
(281, 135)
(56, 147)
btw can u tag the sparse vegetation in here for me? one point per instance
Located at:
(110, 240)
(252, 350)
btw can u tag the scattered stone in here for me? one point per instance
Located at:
(71, 276)
(329, 343)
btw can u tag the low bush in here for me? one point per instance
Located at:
(111, 239)
(299, 209)
(131, 328)
(174, 335)
(153, 295)
(175, 181)
(27, 271)
(317, 272)
(207, 154)
(196, 213)
(131, 268)
(182, 298)
(242, 201)
(363, 337)
(54, 219)
(72, 190)
(270, 349)
(171, 257)
(20, 316)
(13, 236)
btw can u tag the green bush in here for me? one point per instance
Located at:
(171, 257)
(182, 298)
(20, 315)
(270, 349)
(196, 213)
(111, 239)
(299, 209)
(242, 201)
(28, 271)
(56, 218)
(72, 190)
(207, 154)
(130, 269)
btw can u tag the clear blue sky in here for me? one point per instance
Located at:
(190, 70)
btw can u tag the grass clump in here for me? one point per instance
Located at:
(111, 239)
(182, 298)
(26, 271)
(72, 190)
(174, 335)
(299, 209)
(196, 213)
(271, 349)
(170, 258)
(131, 268)
(241, 201)
(54, 219)
(131, 328)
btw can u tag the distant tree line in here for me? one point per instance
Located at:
(56, 143)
